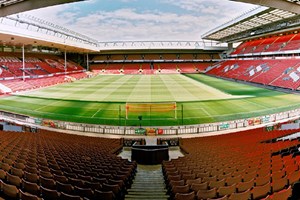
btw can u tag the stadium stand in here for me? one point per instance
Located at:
(271, 44)
(50, 165)
(242, 165)
(41, 70)
(145, 68)
(275, 72)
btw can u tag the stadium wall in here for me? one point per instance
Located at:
(218, 128)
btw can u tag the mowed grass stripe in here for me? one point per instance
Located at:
(201, 111)
(161, 90)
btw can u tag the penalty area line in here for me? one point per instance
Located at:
(207, 113)
(96, 112)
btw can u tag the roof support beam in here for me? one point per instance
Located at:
(279, 4)
(30, 5)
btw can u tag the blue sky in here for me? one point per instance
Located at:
(143, 20)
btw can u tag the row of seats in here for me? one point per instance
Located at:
(51, 165)
(153, 56)
(233, 166)
(17, 85)
(35, 64)
(147, 68)
(270, 44)
(283, 73)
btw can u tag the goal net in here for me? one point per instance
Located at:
(156, 110)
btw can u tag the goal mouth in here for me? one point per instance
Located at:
(151, 109)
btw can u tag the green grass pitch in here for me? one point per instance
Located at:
(102, 100)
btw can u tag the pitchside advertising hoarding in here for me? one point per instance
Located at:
(149, 131)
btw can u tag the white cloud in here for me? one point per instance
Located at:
(132, 24)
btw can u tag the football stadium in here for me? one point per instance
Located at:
(167, 119)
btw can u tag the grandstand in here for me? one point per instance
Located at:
(225, 109)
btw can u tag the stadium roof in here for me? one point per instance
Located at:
(261, 20)
(8, 7)
(287, 5)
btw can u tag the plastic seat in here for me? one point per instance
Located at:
(31, 188)
(64, 196)
(10, 191)
(28, 196)
(49, 194)
(226, 190)
(107, 195)
(240, 196)
(2, 174)
(279, 184)
(33, 170)
(34, 178)
(199, 186)
(48, 183)
(220, 198)
(205, 194)
(59, 178)
(283, 194)
(13, 180)
(294, 177)
(249, 176)
(262, 180)
(114, 188)
(209, 179)
(176, 183)
(45, 174)
(261, 191)
(92, 185)
(19, 165)
(6, 167)
(76, 182)
(17, 172)
(188, 176)
(191, 181)
(233, 180)
(217, 184)
(66, 188)
(180, 189)
(84, 192)
(185, 196)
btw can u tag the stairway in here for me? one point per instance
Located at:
(148, 184)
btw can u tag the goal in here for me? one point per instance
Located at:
(156, 110)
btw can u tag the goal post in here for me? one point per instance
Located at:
(163, 109)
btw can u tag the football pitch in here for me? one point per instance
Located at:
(190, 99)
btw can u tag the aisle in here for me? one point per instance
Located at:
(148, 184)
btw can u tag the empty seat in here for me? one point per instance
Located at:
(49, 194)
(261, 191)
(217, 184)
(199, 186)
(64, 196)
(185, 196)
(282, 194)
(31, 188)
(30, 177)
(205, 194)
(180, 189)
(28, 196)
(48, 183)
(279, 184)
(226, 190)
(17, 172)
(66, 188)
(10, 191)
(243, 186)
(84, 192)
(13, 180)
(107, 195)
(240, 196)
